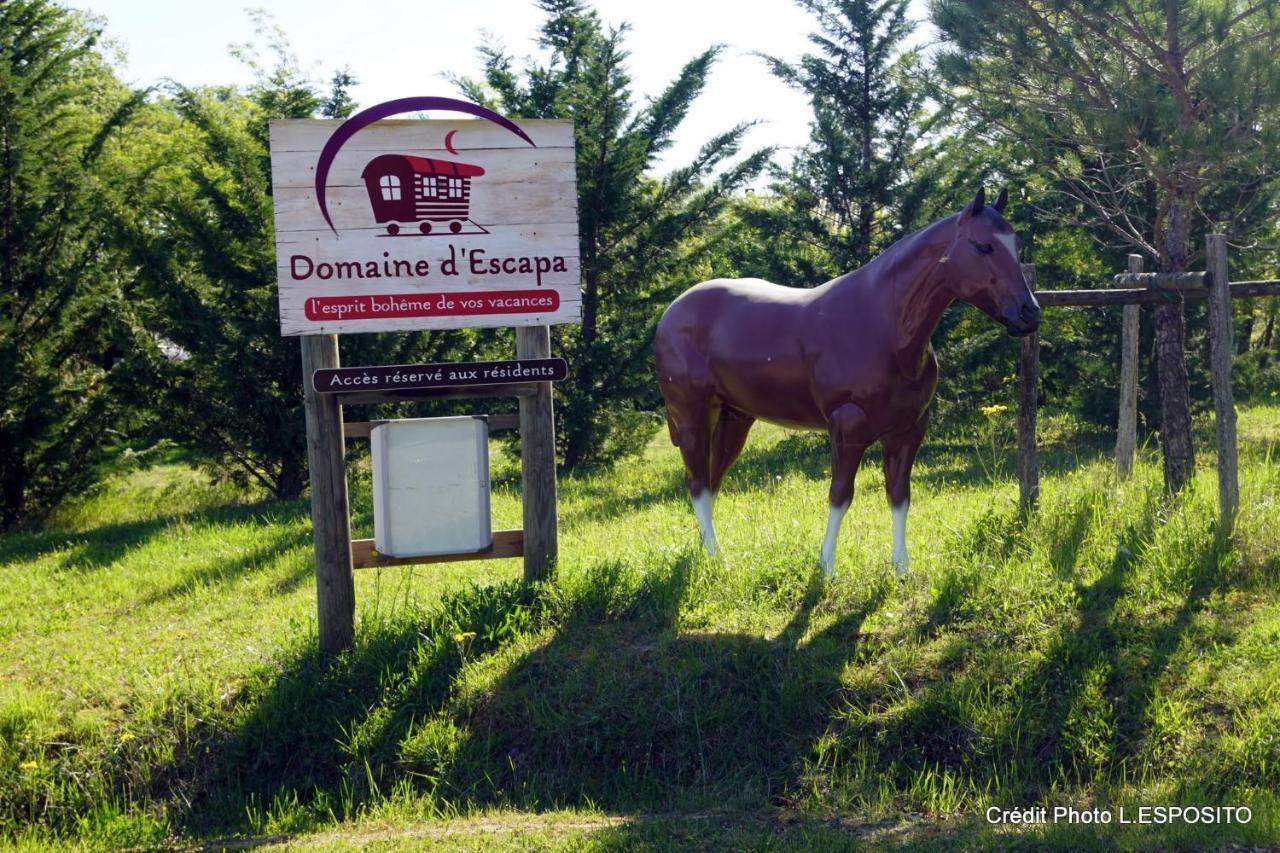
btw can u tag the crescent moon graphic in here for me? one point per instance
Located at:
(448, 142)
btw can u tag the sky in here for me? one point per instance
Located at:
(398, 49)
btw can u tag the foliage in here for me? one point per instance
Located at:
(848, 191)
(67, 333)
(638, 234)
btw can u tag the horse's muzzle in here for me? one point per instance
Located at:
(1027, 321)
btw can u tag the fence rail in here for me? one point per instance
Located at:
(1210, 284)
(1149, 296)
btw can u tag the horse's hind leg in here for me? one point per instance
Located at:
(726, 443)
(899, 455)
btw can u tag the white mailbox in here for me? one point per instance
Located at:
(431, 486)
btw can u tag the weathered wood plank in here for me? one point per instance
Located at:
(1028, 393)
(1160, 280)
(1221, 348)
(1127, 428)
(349, 206)
(538, 462)
(473, 135)
(476, 392)
(330, 512)
(1087, 298)
(506, 543)
(360, 429)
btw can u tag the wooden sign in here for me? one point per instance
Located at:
(395, 225)
(403, 377)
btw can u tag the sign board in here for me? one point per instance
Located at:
(405, 377)
(401, 225)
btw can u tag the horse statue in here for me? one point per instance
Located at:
(851, 357)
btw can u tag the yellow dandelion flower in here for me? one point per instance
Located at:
(465, 635)
(29, 765)
(992, 411)
(128, 736)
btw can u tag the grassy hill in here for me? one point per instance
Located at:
(159, 685)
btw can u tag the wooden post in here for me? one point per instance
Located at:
(1220, 352)
(1029, 373)
(538, 461)
(1127, 428)
(330, 514)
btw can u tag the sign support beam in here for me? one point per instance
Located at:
(330, 513)
(538, 462)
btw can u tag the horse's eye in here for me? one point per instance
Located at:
(983, 248)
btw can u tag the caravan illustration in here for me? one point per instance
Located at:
(433, 194)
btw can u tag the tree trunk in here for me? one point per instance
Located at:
(292, 478)
(1267, 331)
(1246, 333)
(13, 490)
(1171, 334)
(579, 417)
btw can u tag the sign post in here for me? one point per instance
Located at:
(538, 462)
(330, 514)
(394, 225)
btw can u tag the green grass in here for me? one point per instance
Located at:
(159, 684)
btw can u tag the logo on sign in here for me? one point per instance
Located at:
(428, 194)
(417, 190)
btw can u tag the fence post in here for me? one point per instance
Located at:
(1127, 428)
(538, 461)
(1220, 352)
(330, 514)
(1029, 373)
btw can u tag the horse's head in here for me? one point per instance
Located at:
(983, 269)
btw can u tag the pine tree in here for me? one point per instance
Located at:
(67, 336)
(637, 233)
(1156, 117)
(202, 236)
(847, 188)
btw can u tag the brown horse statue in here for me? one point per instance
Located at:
(851, 356)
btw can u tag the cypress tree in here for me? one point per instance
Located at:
(847, 188)
(67, 335)
(637, 233)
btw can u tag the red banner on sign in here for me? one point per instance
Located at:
(393, 305)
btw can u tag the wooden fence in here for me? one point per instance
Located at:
(1212, 284)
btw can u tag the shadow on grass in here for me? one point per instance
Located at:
(101, 547)
(1081, 715)
(615, 709)
(219, 570)
(636, 715)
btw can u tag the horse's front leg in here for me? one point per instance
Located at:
(848, 442)
(899, 455)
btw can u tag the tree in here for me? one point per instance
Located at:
(637, 233)
(1154, 116)
(201, 235)
(847, 188)
(66, 332)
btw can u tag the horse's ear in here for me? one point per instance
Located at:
(1001, 200)
(979, 202)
